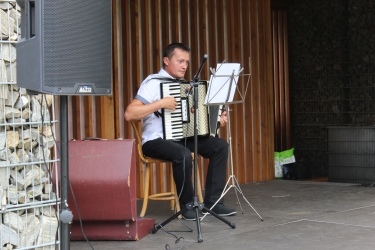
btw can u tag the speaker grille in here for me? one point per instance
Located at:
(77, 43)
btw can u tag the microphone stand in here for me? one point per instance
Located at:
(196, 205)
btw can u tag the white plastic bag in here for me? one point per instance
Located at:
(281, 158)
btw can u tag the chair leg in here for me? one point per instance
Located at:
(146, 190)
(178, 208)
(172, 186)
(174, 190)
(199, 187)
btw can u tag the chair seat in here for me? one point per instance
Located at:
(156, 160)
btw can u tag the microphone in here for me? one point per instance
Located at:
(196, 77)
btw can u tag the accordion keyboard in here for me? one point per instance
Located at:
(179, 123)
(172, 119)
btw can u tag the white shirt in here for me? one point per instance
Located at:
(149, 91)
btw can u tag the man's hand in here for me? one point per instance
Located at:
(223, 119)
(169, 102)
(137, 110)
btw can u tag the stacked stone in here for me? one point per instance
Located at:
(27, 208)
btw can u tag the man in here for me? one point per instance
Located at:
(148, 106)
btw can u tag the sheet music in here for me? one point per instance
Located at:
(221, 83)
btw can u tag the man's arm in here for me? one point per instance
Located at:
(137, 110)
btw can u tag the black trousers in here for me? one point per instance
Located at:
(214, 148)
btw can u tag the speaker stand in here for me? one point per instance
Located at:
(64, 174)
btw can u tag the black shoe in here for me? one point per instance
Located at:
(188, 215)
(221, 210)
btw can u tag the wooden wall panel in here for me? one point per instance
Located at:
(246, 45)
(254, 97)
(231, 30)
(267, 121)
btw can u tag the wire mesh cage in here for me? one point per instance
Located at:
(332, 72)
(28, 152)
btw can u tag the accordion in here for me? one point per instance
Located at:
(179, 123)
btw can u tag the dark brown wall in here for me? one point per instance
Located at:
(332, 58)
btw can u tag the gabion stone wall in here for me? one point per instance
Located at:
(28, 218)
(332, 71)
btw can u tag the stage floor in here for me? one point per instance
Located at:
(297, 215)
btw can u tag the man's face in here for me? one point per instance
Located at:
(177, 65)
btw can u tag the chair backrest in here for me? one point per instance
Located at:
(138, 138)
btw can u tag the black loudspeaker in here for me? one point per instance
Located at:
(65, 47)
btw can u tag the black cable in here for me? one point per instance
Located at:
(79, 216)
(177, 239)
(179, 195)
(175, 211)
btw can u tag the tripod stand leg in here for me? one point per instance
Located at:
(200, 238)
(238, 198)
(196, 206)
(155, 229)
(231, 224)
(251, 206)
(226, 189)
(237, 186)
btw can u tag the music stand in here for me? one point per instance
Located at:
(222, 89)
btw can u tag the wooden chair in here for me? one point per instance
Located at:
(172, 196)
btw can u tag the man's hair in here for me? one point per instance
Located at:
(169, 50)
